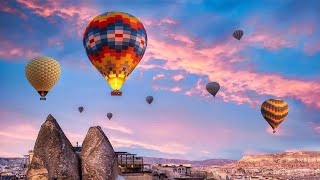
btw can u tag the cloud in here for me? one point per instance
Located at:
(168, 148)
(158, 22)
(172, 89)
(11, 50)
(4, 7)
(178, 77)
(77, 14)
(115, 126)
(216, 63)
(158, 76)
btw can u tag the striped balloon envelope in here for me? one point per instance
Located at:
(274, 112)
(115, 43)
(238, 34)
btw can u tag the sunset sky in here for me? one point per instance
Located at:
(190, 43)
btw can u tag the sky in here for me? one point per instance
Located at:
(190, 43)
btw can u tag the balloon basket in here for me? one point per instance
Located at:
(116, 93)
(43, 98)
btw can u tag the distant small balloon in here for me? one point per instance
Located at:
(238, 34)
(149, 99)
(109, 115)
(80, 109)
(213, 88)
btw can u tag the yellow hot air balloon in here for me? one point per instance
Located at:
(43, 73)
(274, 112)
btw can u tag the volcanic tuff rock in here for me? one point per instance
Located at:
(300, 159)
(53, 157)
(98, 160)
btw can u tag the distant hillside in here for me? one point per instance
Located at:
(300, 159)
(209, 162)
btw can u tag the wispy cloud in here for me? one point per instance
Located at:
(4, 7)
(217, 63)
(168, 148)
(75, 13)
(178, 77)
(158, 76)
(13, 50)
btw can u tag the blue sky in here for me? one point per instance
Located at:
(190, 43)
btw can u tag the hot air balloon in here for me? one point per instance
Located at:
(80, 109)
(274, 112)
(213, 88)
(115, 43)
(109, 115)
(149, 99)
(43, 73)
(238, 34)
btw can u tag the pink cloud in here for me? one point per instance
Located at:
(5, 8)
(12, 50)
(172, 89)
(55, 42)
(17, 134)
(178, 77)
(158, 76)
(117, 127)
(167, 147)
(216, 63)
(157, 22)
(168, 21)
(269, 40)
(77, 14)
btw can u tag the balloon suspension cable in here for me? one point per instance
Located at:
(116, 93)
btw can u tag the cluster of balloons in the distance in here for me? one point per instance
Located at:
(115, 43)
(81, 108)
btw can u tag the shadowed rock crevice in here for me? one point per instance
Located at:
(54, 157)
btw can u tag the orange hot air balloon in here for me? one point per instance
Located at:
(274, 112)
(115, 43)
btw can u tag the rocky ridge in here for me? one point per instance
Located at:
(55, 158)
(299, 159)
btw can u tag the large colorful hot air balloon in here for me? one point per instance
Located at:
(115, 43)
(213, 88)
(43, 73)
(274, 112)
(238, 34)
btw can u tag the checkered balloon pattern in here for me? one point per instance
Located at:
(115, 42)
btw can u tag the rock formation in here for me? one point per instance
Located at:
(54, 157)
(98, 159)
(300, 159)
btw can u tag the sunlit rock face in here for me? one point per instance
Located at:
(300, 159)
(53, 157)
(98, 160)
